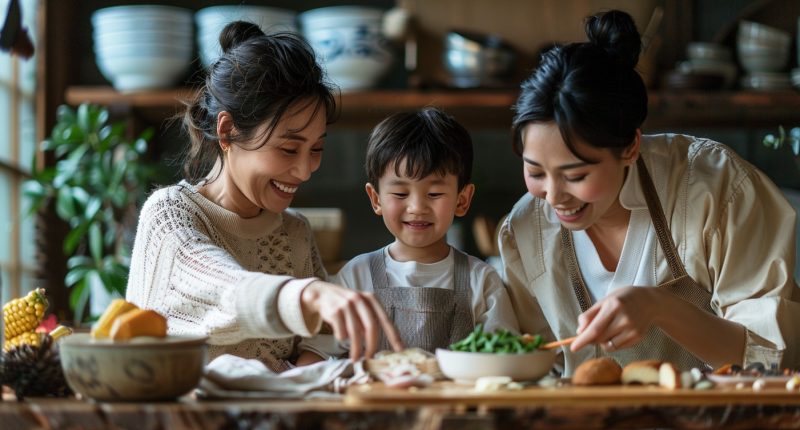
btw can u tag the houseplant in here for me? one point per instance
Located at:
(95, 185)
(792, 139)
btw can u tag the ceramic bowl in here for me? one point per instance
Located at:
(706, 51)
(763, 34)
(141, 13)
(466, 367)
(138, 73)
(211, 20)
(144, 368)
(349, 43)
(477, 60)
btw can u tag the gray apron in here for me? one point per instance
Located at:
(656, 344)
(425, 317)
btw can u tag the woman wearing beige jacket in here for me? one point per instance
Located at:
(612, 212)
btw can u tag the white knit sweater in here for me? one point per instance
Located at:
(211, 272)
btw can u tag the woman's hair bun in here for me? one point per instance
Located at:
(615, 32)
(237, 32)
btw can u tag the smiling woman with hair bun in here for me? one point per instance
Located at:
(220, 254)
(666, 247)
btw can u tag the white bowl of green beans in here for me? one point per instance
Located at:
(500, 353)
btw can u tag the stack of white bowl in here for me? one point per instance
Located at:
(211, 20)
(764, 54)
(144, 46)
(709, 59)
(349, 43)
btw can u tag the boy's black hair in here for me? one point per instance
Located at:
(428, 140)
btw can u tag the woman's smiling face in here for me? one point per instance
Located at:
(266, 175)
(581, 193)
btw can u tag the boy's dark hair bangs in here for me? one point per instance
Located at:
(427, 142)
(423, 156)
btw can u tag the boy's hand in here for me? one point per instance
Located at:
(352, 315)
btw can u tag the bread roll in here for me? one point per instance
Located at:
(597, 371)
(641, 372)
(668, 376)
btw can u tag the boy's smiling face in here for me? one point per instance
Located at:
(418, 212)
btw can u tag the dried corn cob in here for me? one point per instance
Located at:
(24, 314)
(31, 338)
(35, 338)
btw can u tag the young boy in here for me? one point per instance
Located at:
(419, 166)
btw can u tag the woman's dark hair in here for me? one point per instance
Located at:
(257, 79)
(428, 140)
(590, 89)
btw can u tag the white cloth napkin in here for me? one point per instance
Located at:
(229, 376)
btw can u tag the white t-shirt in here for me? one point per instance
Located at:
(490, 302)
(636, 264)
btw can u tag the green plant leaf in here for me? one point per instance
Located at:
(113, 282)
(110, 235)
(86, 116)
(65, 206)
(92, 207)
(76, 275)
(81, 198)
(79, 260)
(79, 297)
(33, 189)
(140, 146)
(120, 197)
(64, 113)
(96, 242)
(74, 237)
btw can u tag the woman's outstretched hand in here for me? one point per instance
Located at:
(352, 315)
(620, 320)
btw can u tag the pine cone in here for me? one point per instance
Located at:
(34, 371)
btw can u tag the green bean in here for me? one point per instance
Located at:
(501, 341)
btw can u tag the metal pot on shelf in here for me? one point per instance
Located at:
(478, 60)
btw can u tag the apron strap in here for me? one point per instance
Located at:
(377, 269)
(575, 277)
(660, 221)
(460, 272)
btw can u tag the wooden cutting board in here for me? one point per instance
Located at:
(446, 392)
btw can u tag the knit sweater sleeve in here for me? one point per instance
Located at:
(179, 270)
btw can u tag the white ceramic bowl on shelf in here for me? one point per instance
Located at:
(143, 47)
(142, 12)
(211, 20)
(756, 58)
(707, 51)
(349, 43)
(129, 74)
(763, 34)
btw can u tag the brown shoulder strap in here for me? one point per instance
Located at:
(660, 221)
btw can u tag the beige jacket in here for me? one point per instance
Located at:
(734, 231)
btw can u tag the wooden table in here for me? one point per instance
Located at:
(443, 406)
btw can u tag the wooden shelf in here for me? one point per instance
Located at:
(723, 109)
(492, 108)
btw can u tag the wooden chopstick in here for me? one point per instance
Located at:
(557, 343)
